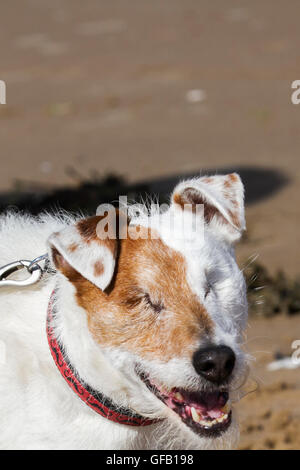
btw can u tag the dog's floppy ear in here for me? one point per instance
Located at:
(222, 197)
(83, 249)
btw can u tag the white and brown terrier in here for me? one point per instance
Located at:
(146, 330)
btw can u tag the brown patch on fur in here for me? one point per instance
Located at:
(226, 194)
(193, 196)
(149, 275)
(63, 266)
(207, 180)
(98, 268)
(190, 196)
(87, 229)
(177, 198)
(235, 218)
(227, 184)
(116, 223)
(73, 247)
(233, 177)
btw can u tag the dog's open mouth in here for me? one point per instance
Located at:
(206, 413)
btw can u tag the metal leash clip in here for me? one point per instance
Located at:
(32, 267)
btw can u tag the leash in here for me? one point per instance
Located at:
(93, 398)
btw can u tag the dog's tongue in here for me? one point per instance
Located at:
(208, 403)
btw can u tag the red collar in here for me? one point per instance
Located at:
(94, 399)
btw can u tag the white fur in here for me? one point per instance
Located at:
(38, 409)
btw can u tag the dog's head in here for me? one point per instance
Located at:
(168, 307)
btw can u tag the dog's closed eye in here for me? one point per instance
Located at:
(138, 297)
(156, 306)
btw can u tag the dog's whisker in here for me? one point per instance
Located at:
(252, 260)
(254, 338)
(246, 393)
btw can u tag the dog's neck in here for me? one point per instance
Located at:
(83, 352)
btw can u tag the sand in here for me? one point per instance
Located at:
(270, 416)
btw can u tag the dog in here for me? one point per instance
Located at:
(127, 342)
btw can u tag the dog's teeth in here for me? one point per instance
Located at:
(203, 423)
(211, 423)
(195, 415)
(178, 396)
(226, 408)
(222, 418)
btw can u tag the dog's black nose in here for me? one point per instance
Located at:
(214, 363)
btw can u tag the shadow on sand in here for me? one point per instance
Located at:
(260, 183)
